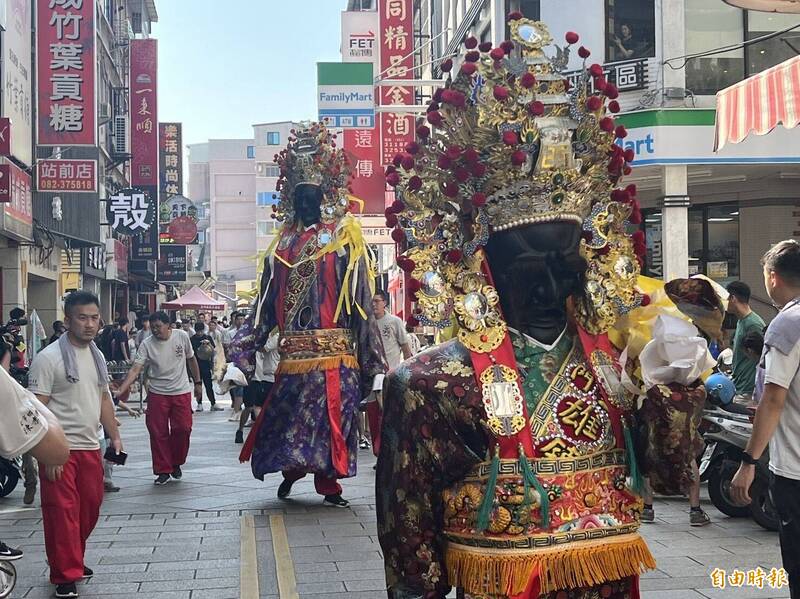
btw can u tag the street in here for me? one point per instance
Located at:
(205, 536)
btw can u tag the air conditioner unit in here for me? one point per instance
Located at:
(104, 111)
(121, 134)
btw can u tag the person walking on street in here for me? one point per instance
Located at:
(71, 379)
(167, 354)
(396, 348)
(237, 393)
(744, 368)
(119, 341)
(144, 332)
(777, 420)
(267, 359)
(204, 350)
(58, 330)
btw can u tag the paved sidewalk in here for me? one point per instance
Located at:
(184, 540)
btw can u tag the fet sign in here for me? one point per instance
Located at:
(368, 181)
(67, 175)
(65, 47)
(397, 62)
(360, 36)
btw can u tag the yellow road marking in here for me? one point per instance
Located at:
(248, 565)
(284, 566)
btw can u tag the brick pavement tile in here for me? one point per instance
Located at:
(194, 565)
(143, 576)
(301, 569)
(672, 584)
(671, 594)
(329, 587)
(141, 595)
(347, 595)
(368, 564)
(229, 593)
(745, 593)
(375, 584)
(198, 583)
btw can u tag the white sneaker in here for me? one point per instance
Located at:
(235, 417)
(199, 408)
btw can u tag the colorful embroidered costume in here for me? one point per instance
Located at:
(508, 467)
(316, 288)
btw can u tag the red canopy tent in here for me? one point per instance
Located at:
(759, 104)
(194, 299)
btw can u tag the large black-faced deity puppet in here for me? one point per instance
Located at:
(508, 466)
(315, 288)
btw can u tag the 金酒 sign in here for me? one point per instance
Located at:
(397, 62)
(66, 175)
(66, 95)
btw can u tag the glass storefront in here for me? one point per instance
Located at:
(631, 29)
(713, 242)
(713, 24)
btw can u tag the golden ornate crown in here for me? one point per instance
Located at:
(311, 158)
(510, 141)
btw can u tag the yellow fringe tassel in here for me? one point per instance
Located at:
(312, 364)
(581, 564)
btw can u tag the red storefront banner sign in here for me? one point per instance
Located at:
(66, 80)
(5, 136)
(66, 175)
(15, 194)
(368, 181)
(397, 62)
(144, 112)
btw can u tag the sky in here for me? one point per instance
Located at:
(224, 66)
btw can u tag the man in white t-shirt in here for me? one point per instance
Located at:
(396, 348)
(70, 378)
(777, 420)
(167, 354)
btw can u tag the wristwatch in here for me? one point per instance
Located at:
(748, 459)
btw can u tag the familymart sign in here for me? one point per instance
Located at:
(686, 136)
(346, 95)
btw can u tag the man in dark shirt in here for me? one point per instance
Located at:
(119, 341)
(203, 346)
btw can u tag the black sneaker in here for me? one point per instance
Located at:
(162, 479)
(67, 590)
(239, 437)
(177, 473)
(87, 572)
(7, 554)
(285, 489)
(335, 501)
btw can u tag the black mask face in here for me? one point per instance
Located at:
(307, 204)
(536, 269)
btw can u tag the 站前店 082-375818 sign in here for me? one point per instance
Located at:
(66, 78)
(131, 211)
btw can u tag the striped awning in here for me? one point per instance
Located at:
(759, 104)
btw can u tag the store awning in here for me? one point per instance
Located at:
(759, 104)
(194, 299)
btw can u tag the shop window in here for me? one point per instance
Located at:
(713, 24)
(631, 31)
(768, 53)
(713, 242)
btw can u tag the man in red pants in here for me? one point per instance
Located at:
(70, 377)
(167, 353)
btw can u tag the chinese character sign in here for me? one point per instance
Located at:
(172, 264)
(397, 62)
(130, 212)
(17, 78)
(15, 195)
(66, 95)
(368, 182)
(144, 113)
(66, 175)
(170, 159)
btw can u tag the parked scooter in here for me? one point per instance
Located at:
(729, 430)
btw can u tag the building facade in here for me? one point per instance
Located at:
(222, 174)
